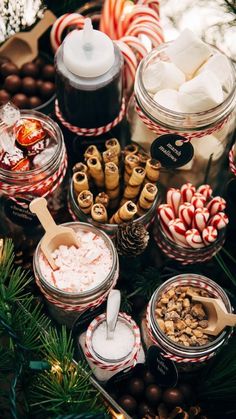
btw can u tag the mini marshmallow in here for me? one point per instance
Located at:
(188, 52)
(169, 99)
(202, 93)
(162, 75)
(220, 66)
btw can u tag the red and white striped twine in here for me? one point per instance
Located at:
(91, 132)
(49, 185)
(131, 360)
(160, 130)
(231, 161)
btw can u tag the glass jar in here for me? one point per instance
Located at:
(65, 306)
(186, 255)
(18, 188)
(111, 229)
(186, 358)
(210, 131)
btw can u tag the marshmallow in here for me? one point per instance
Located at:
(219, 65)
(169, 99)
(202, 93)
(162, 75)
(188, 52)
(206, 147)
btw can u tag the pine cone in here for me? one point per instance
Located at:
(131, 239)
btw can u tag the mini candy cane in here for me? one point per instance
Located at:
(219, 220)
(166, 214)
(198, 200)
(187, 191)
(173, 198)
(186, 212)
(217, 204)
(200, 218)
(178, 230)
(193, 238)
(209, 235)
(205, 190)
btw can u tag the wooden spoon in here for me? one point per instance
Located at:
(218, 318)
(55, 235)
(113, 308)
(23, 46)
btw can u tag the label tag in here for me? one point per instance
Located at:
(162, 368)
(172, 150)
(20, 215)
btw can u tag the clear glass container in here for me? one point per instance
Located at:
(18, 188)
(211, 131)
(186, 358)
(186, 255)
(64, 306)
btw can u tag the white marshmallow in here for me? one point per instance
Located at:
(188, 52)
(162, 75)
(202, 93)
(206, 146)
(219, 65)
(169, 99)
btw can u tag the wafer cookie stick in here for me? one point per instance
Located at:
(80, 182)
(102, 198)
(92, 151)
(110, 156)
(114, 145)
(95, 170)
(135, 182)
(143, 158)
(85, 201)
(152, 170)
(80, 167)
(131, 149)
(112, 180)
(99, 213)
(147, 196)
(124, 213)
(131, 161)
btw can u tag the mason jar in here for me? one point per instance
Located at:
(65, 306)
(210, 132)
(187, 358)
(18, 188)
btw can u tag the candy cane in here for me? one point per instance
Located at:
(193, 238)
(217, 204)
(186, 212)
(187, 191)
(131, 63)
(209, 235)
(61, 24)
(205, 190)
(200, 218)
(219, 220)
(153, 4)
(136, 45)
(178, 231)
(173, 198)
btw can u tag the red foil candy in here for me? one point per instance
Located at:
(29, 132)
(37, 148)
(15, 162)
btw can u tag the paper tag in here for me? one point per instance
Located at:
(162, 368)
(172, 150)
(20, 215)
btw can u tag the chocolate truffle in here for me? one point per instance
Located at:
(34, 102)
(128, 403)
(39, 61)
(20, 100)
(29, 69)
(12, 83)
(4, 97)
(47, 89)
(135, 386)
(153, 394)
(9, 68)
(148, 377)
(29, 85)
(38, 84)
(144, 409)
(48, 72)
(173, 396)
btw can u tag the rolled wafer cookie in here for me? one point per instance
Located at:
(124, 213)
(131, 149)
(92, 151)
(147, 196)
(113, 144)
(110, 156)
(96, 172)
(134, 185)
(112, 180)
(99, 213)
(80, 167)
(152, 170)
(85, 201)
(102, 198)
(131, 161)
(143, 158)
(80, 182)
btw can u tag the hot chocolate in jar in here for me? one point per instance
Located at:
(185, 88)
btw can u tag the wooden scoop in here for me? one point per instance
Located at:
(55, 235)
(23, 46)
(218, 318)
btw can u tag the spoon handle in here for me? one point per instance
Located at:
(39, 207)
(113, 307)
(230, 319)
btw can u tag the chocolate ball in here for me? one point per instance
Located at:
(29, 85)
(135, 386)
(39, 61)
(4, 97)
(8, 68)
(173, 396)
(47, 89)
(48, 72)
(34, 102)
(20, 100)
(128, 403)
(38, 84)
(29, 69)
(153, 394)
(144, 409)
(148, 378)
(12, 83)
